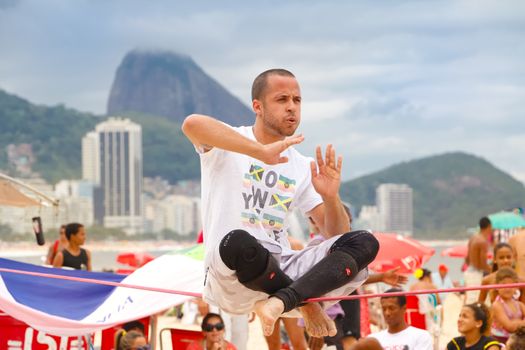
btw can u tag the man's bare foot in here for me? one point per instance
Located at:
(316, 321)
(269, 311)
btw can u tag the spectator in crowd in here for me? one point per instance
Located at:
(503, 257)
(213, 329)
(74, 255)
(473, 324)
(477, 265)
(442, 280)
(427, 303)
(508, 313)
(132, 340)
(517, 242)
(57, 246)
(516, 340)
(399, 335)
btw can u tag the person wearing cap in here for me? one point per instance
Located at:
(442, 281)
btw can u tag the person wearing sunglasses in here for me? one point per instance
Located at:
(213, 330)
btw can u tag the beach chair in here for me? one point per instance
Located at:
(15, 334)
(413, 317)
(180, 338)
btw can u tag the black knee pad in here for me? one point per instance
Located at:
(253, 264)
(361, 245)
(241, 252)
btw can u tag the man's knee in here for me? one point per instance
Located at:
(254, 266)
(361, 245)
(241, 252)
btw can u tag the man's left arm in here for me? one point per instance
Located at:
(330, 216)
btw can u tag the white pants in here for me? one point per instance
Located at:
(222, 288)
(472, 278)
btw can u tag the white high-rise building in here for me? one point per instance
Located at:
(91, 158)
(394, 203)
(178, 213)
(113, 160)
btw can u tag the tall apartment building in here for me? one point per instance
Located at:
(394, 203)
(112, 159)
(91, 158)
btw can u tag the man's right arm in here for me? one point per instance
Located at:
(206, 132)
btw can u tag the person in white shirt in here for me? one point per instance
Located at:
(252, 178)
(399, 335)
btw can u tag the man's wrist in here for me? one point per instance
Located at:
(333, 199)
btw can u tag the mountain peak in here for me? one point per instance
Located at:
(171, 85)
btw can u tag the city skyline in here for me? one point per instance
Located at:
(385, 82)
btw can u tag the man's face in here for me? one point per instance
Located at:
(392, 312)
(280, 106)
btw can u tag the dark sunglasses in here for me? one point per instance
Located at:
(145, 347)
(209, 327)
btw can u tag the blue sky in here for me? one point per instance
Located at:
(385, 81)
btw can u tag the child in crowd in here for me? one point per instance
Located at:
(473, 324)
(508, 313)
(132, 340)
(517, 340)
(503, 257)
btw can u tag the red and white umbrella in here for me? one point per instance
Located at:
(459, 251)
(399, 251)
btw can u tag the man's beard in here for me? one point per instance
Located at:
(276, 128)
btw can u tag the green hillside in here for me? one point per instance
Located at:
(451, 191)
(55, 134)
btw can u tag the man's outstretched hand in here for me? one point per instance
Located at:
(271, 153)
(326, 174)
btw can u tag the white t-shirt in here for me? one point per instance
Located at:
(239, 192)
(409, 339)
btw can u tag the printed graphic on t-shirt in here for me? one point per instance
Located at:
(268, 198)
(396, 347)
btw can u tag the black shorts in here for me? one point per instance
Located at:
(352, 318)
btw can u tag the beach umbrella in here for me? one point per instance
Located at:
(397, 250)
(459, 251)
(506, 220)
(134, 259)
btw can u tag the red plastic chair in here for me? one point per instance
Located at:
(180, 338)
(413, 317)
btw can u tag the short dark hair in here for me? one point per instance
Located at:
(260, 83)
(401, 299)
(209, 315)
(484, 222)
(72, 229)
